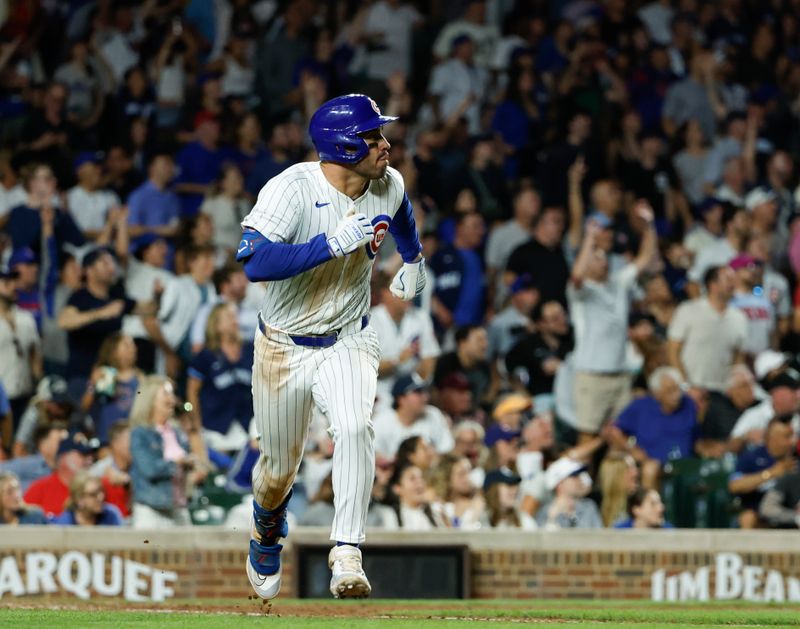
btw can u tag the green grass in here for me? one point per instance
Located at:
(383, 614)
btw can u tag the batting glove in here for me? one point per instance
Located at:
(409, 281)
(350, 234)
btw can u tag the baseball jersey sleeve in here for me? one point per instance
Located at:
(276, 212)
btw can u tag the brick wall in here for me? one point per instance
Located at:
(209, 562)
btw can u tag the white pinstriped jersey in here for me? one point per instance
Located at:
(295, 206)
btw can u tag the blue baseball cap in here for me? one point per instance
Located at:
(709, 203)
(500, 432)
(87, 157)
(500, 476)
(144, 241)
(23, 255)
(408, 384)
(523, 282)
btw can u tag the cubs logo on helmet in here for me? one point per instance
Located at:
(381, 224)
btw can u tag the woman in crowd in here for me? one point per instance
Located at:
(12, 508)
(164, 466)
(502, 493)
(219, 385)
(113, 383)
(408, 498)
(461, 504)
(87, 505)
(645, 511)
(618, 479)
(227, 205)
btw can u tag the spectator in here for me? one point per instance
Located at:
(418, 451)
(690, 162)
(618, 480)
(569, 508)
(543, 258)
(662, 425)
(153, 207)
(459, 291)
(163, 464)
(410, 508)
(775, 286)
(758, 469)
(726, 147)
(469, 359)
(706, 334)
(387, 36)
(410, 415)
(781, 403)
(47, 134)
(454, 396)
(734, 183)
(227, 206)
(725, 407)
(20, 347)
(51, 406)
(646, 511)
(120, 177)
(86, 505)
(502, 512)
(600, 304)
(756, 306)
(28, 290)
(32, 467)
(408, 342)
(503, 444)
(468, 436)
(534, 360)
(461, 503)
(219, 384)
(707, 232)
(688, 99)
(736, 227)
(51, 492)
(199, 164)
(113, 469)
(89, 204)
(514, 321)
(13, 510)
(780, 506)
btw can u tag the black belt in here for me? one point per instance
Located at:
(314, 340)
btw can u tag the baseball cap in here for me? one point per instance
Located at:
(202, 117)
(87, 157)
(71, 444)
(460, 39)
(408, 384)
(766, 361)
(512, 403)
(144, 241)
(599, 218)
(788, 379)
(743, 261)
(709, 203)
(23, 255)
(523, 282)
(456, 380)
(503, 476)
(561, 470)
(92, 255)
(500, 432)
(53, 389)
(758, 196)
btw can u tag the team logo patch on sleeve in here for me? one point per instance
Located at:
(381, 225)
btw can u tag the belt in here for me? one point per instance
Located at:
(318, 340)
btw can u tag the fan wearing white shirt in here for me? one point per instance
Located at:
(88, 204)
(783, 402)
(408, 343)
(410, 416)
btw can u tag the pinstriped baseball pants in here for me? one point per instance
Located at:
(340, 380)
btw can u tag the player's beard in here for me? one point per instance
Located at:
(373, 170)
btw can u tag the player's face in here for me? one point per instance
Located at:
(374, 165)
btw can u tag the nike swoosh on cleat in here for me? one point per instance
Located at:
(318, 204)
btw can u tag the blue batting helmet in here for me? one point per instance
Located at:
(336, 125)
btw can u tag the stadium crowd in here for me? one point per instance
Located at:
(607, 196)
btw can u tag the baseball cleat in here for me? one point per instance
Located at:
(348, 579)
(266, 586)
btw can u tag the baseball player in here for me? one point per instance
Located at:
(312, 236)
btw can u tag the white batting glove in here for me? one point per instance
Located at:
(409, 281)
(351, 233)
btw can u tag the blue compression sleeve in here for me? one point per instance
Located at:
(404, 230)
(265, 260)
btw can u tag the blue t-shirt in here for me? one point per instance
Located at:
(661, 436)
(752, 460)
(117, 408)
(196, 165)
(226, 395)
(150, 207)
(109, 517)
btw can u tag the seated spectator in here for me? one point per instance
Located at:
(113, 469)
(502, 510)
(503, 444)
(410, 415)
(454, 397)
(468, 436)
(782, 403)
(535, 453)
(163, 464)
(42, 462)
(725, 408)
(227, 206)
(198, 163)
(569, 483)
(618, 480)
(219, 387)
(86, 505)
(469, 359)
(153, 207)
(758, 468)
(113, 384)
(320, 511)
(13, 510)
(780, 506)
(408, 498)
(408, 342)
(514, 321)
(645, 511)
(416, 451)
(51, 406)
(88, 203)
(663, 425)
(533, 360)
(460, 502)
(51, 492)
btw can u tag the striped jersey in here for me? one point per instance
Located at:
(297, 205)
